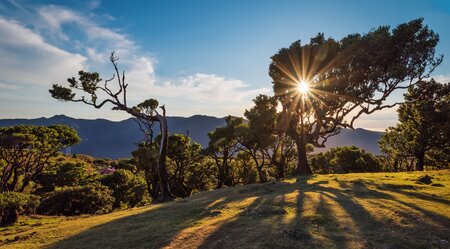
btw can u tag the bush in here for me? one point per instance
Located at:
(89, 199)
(128, 189)
(13, 204)
(347, 159)
(65, 174)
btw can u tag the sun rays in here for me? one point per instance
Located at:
(303, 87)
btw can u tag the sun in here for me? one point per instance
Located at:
(302, 87)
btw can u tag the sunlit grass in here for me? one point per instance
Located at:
(381, 210)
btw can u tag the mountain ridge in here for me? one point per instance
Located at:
(117, 139)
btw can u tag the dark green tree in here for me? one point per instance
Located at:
(89, 86)
(26, 150)
(424, 122)
(258, 135)
(127, 188)
(186, 156)
(222, 147)
(394, 147)
(327, 84)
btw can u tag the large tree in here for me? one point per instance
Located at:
(26, 150)
(88, 88)
(327, 84)
(424, 122)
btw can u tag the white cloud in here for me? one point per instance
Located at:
(30, 56)
(442, 78)
(199, 93)
(5, 86)
(27, 58)
(55, 17)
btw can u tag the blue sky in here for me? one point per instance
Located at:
(197, 57)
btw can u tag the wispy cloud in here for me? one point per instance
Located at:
(27, 58)
(59, 41)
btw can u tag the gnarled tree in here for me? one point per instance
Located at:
(327, 84)
(26, 150)
(89, 86)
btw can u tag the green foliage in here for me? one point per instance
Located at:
(146, 157)
(129, 190)
(424, 125)
(244, 169)
(13, 204)
(87, 199)
(66, 173)
(258, 136)
(348, 78)
(148, 106)
(40, 143)
(87, 82)
(347, 159)
(223, 145)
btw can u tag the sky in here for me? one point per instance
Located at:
(196, 57)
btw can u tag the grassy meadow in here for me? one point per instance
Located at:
(359, 210)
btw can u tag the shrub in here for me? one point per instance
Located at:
(13, 204)
(345, 159)
(65, 174)
(89, 199)
(128, 189)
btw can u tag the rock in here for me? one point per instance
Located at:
(426, 179)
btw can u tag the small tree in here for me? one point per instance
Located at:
(424, 122)
(258, 135)
(223, 145)
(327, 84)
(26, 150)
(89, 87)
(185, 155)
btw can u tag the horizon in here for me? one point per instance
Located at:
(197, 58)
(210, 116)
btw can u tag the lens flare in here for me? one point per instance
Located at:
(303, 87)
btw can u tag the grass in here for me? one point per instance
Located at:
(379, 210)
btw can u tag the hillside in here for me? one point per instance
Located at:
(105, 138)
(369, 210)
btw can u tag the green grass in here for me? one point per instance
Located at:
(380, 210)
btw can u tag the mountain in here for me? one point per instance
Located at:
(116, 139)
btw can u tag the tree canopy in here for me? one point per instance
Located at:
(25, 150)
(347, 78)
(424, 123)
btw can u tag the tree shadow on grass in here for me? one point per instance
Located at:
(151, 229)
(305, 214)
(324, 228)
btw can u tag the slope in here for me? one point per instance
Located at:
(365, 210)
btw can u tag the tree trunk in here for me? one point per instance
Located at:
(302, 161)
(259, 166)
(420, 161)
(396, 164)
(165, 194)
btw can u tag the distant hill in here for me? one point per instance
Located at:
(116, 139)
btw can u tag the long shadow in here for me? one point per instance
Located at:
(265, 213)
(262, 223)
(370, 230)
(152, 229)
